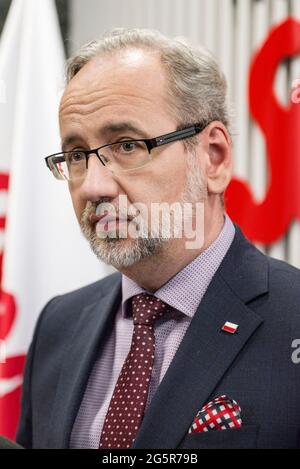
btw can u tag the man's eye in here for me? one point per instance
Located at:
(128, 146)
(76, 156)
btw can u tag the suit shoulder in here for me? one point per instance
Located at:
(284, 292)
(91, 290)
(64, 309)
(284, 275)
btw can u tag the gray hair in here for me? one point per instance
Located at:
(197, 86)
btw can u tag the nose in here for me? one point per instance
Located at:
(99, 181)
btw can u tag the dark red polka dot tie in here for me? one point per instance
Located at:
(127, 405)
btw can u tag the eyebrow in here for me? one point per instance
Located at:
(107, 131)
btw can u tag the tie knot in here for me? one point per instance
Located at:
(147, 308)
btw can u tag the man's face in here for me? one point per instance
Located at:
(126, 88)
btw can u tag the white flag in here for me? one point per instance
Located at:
(44, 251)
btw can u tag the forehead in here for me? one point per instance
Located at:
(132, 76)
(125, 87)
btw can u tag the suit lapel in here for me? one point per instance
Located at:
(95, 321)
(205, 352)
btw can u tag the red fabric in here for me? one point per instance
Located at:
(221, 413)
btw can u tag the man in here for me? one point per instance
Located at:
(189, 345)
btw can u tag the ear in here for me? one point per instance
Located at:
(218, 157)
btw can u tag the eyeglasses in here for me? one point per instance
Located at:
(124, 155)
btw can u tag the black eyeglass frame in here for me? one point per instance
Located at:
(150, 143)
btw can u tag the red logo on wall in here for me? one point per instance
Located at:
(268, 221)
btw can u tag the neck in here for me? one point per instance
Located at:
(153, 272)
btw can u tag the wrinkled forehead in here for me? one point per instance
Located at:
(131, 72)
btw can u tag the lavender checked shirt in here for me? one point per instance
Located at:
(184, 292)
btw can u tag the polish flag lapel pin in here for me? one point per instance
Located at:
(230, 327)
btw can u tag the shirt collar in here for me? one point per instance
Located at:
(185, 290)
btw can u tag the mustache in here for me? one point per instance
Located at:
(105, 206)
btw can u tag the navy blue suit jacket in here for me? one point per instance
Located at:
(253, 366)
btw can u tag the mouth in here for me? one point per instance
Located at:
(106, 218)
(93, 218)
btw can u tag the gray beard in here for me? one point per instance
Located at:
(124, 252)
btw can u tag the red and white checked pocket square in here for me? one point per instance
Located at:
(222, 413)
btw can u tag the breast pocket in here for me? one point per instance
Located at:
(240, 438)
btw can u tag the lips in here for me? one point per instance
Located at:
(105, 218)
(95, 218)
